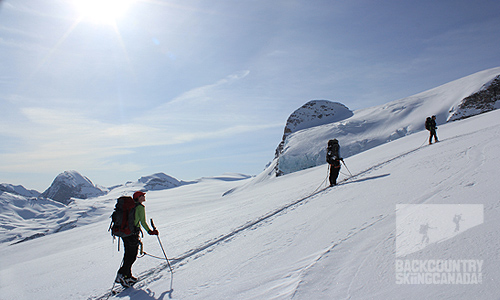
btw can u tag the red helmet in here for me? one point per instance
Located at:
(138, 194)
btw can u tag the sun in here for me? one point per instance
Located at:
(102, 11)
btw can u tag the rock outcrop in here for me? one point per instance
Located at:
(313, 113)
(487, 99)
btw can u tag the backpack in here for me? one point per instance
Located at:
(123, 217)
(428, 123)
(332, 152)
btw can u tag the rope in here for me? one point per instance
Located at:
(324, 180)
(145, 253)
(423, 143)
(345, 174)
(347, 168)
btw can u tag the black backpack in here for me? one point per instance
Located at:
(123, 217)
(332, 151)
(428, 123)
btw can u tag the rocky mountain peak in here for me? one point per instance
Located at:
(313, 113)
(159, 181)
(71, 184)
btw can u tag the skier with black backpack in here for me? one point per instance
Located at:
(430, 124)
(127, 218)
(333, 158)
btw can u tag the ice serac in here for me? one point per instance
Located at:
(71, 184)
(313, 113)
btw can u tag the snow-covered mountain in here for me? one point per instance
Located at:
(313, 113)
(159, 181)
(370, 127)
(18, 190)
(69, 202)
(289, 238)
(71, 184)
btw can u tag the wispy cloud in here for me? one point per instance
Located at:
(61, 138)
(208, 92)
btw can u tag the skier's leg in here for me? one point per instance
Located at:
(334, 172)
(131, 245)
(331, 176)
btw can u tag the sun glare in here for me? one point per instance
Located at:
(102, 11)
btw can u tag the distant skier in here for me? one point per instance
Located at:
(333, 158)
(430, 124)
(131, 243)
(457, 220)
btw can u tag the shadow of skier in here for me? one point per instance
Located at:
(147, 294)
(366, 179)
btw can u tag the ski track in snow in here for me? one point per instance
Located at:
(350, 234)
(475, 156)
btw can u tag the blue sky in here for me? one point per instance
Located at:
(199, 88)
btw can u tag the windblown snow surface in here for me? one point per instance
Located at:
(287, 238)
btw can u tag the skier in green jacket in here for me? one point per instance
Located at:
(131, 243)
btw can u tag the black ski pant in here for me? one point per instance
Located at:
(131, 245)
(334, 172)
(433, 134)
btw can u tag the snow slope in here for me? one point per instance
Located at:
(374, 126)
(285, 237)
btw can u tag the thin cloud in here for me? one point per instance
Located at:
(55, 138)
(205, 93)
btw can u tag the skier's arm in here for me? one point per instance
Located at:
(140, 217)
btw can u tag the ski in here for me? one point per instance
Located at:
(112, 292)
(115, 290)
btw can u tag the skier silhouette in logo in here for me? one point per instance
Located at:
(457, 220)
(424, 229)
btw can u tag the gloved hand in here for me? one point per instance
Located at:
(153, 232)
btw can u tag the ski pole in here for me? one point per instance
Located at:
(163, 250)
(346, 168)
(324, 180)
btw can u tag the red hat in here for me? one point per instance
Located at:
(138, 194)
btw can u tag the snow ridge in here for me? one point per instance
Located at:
(18, 190)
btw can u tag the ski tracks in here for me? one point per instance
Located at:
(154, 274)
(353, 232)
